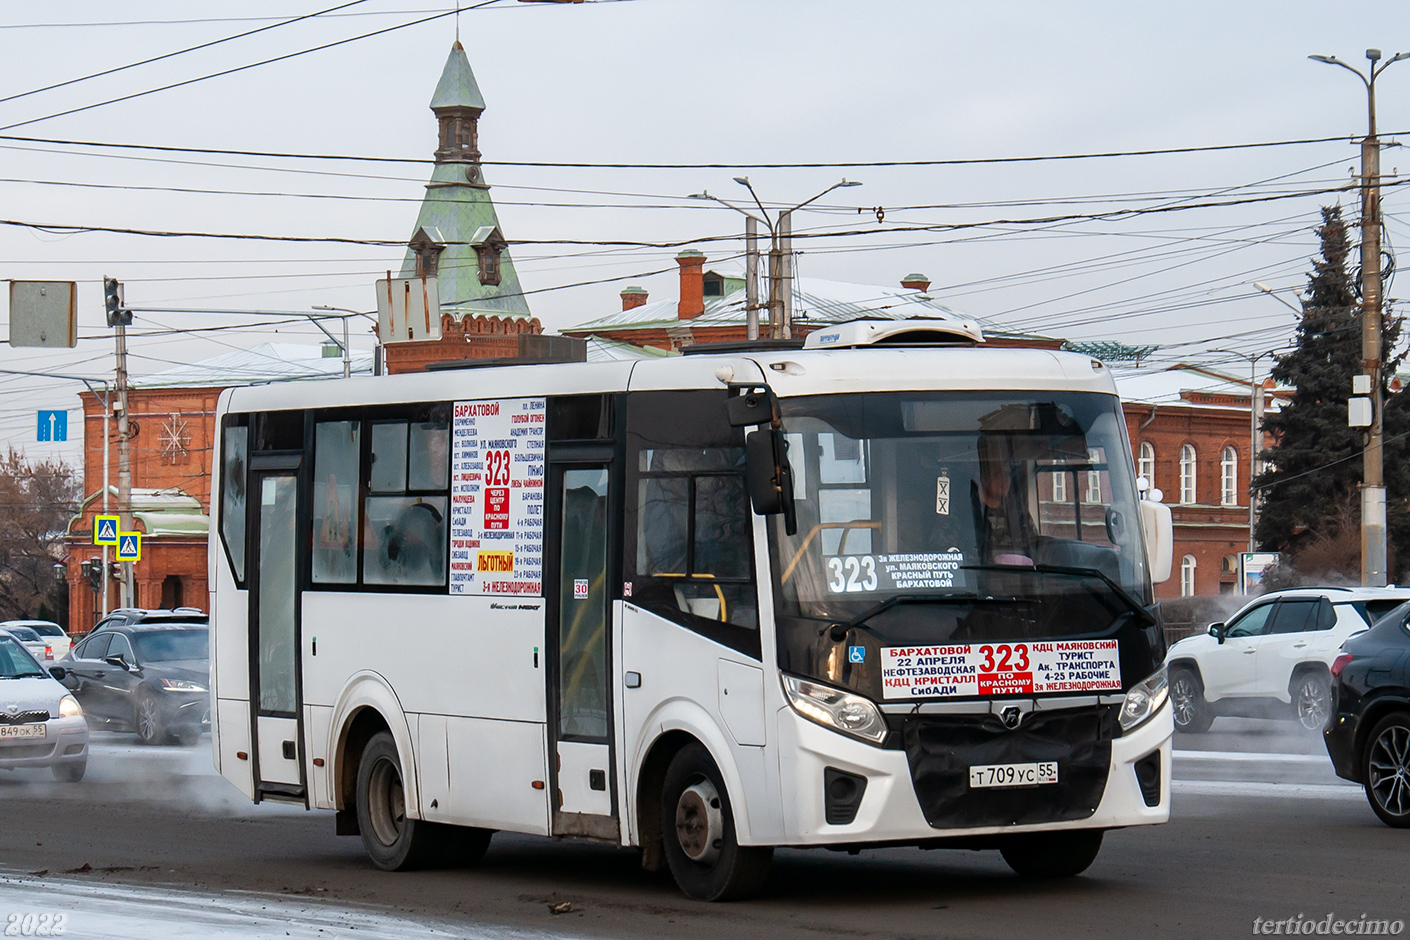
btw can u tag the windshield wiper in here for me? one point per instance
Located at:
(839, 630)
(26, 675)
(1136, 606)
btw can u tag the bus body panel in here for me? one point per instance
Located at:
(318, 720)
(890, 811)
(230, 727)
(493, 766)
(488, 662)
(680, 691)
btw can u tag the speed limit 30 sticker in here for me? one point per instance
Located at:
(1037, 668)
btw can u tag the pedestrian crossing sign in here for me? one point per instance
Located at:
(105, 530)
(129, 546)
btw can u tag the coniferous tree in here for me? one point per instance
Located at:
(1311, 498)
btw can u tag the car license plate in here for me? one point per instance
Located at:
(1013, 775)
(22, 731)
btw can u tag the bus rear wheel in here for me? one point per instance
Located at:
(697, 827)
(394, 841)
(1060, 854)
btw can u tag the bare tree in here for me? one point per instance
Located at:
(37, 499)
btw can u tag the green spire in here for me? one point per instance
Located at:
(457, 88)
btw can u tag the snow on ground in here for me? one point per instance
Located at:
(106, 911)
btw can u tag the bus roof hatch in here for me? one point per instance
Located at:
(913, 332)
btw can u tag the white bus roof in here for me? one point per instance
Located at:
(790, 372)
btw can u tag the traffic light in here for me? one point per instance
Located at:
(113, 303)
(115, 570)
(92, 570)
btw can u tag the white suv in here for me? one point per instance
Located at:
(1273, 658)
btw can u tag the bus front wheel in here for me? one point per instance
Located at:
(697, 827)
(394, 841)
(1061, 854)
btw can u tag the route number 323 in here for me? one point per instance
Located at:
(851, 573)
(1004, 658)
(36, 925)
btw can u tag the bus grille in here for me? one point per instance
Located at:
(942, 748)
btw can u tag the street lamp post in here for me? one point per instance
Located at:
(1255, 421)
(780, 271)
(1373, 488)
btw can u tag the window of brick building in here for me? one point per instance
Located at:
(1146, 464)
(1229, 477)
(1187, 576)
(1187, 475)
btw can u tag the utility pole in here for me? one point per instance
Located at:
(785, 237)
(1373, 487)
(118, 318)
(751, 277)
(1255, 432)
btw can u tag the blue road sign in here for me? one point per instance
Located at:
(105, 530)
(53, 425)
(129, 546)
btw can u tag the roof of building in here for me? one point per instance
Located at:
(815, 300)
(457, 87)
(602, 349)
(1173, 385)
(267, 362)
(163, 513)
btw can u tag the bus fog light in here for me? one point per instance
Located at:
(1144, 700)
(842, 711)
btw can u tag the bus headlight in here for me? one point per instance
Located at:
(832, 708)
(69, 707)
(1144, 700)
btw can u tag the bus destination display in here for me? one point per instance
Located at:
(968, 669)
(496, 497)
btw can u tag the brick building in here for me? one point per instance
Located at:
(171, 418)
(1190, 437)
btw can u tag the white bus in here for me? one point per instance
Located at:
(884, 587)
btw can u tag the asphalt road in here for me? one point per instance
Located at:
(151, 837)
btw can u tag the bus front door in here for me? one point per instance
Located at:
(274, 628)
(579, 646)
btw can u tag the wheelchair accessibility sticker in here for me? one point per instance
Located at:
(856, 654)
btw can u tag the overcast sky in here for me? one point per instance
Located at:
(692, 81)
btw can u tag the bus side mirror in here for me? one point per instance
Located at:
(768, 476)
(753, 406)
(1159, 531)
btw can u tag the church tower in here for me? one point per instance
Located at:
(457, 239)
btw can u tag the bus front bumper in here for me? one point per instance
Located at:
(890, 811)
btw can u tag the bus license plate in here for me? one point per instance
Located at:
(1013, 775)
(22, 731)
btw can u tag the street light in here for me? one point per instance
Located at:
(1373, 488)
(1271, 293)
(780, 254)
(347, 355)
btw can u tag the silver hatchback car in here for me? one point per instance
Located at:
(41, 724)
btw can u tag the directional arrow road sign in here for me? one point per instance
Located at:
(105, 530)
(53, 425)
(129, 546)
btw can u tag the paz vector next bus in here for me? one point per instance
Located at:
(882, 587)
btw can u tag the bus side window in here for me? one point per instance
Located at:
(689, 552)
(234, 463)
(336, 454)
(405, 512)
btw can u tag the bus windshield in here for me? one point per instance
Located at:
(929, 495)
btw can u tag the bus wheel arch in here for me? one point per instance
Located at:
(650, 780)
(367, 706)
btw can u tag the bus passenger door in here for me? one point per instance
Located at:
(576, 572)
(274, 627)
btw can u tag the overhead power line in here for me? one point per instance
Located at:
(956, 161)
(59, 228)
(172, 55)
(245, 67)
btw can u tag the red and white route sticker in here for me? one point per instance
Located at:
(1037, 668)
